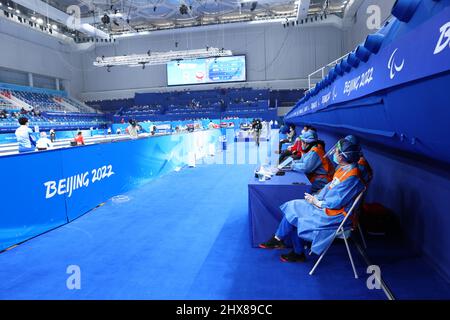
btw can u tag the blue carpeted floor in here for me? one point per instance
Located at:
(407, 273)
(181, 236)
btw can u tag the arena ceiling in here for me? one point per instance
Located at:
(116, 17)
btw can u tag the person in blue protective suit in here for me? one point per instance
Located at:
(316, 218)
(313, 162)
(363, 164)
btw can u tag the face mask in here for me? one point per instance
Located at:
(304, 146)
(335, 158)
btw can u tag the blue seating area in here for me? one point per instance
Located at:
(17, 97)
(39, 101)
(179, 105)
(53, 120)
(4, 104)
(80, 106)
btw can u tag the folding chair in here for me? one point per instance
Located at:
(342, 232)
(358, 225)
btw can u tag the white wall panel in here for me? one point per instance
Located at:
(273, 53)
(27, 50)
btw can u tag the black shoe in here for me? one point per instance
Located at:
(273, 243)
(293, 257)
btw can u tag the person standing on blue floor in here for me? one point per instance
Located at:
(313, 162)
(256, 128)
(24, 136)
(316, 218)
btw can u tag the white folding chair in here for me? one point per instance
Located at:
(342, 232)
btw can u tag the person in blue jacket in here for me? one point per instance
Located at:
(313, 162)
(316, 218)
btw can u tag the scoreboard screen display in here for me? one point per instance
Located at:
(208, 70)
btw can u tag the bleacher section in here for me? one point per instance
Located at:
(4, 104)
(39, 101)
(53, 120)
(47, 109)
(18, 97)
(218, 103)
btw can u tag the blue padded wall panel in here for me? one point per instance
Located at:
(404, 110)
(26, 212)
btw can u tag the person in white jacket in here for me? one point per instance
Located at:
(44, 143)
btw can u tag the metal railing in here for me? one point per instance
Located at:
(323, 70)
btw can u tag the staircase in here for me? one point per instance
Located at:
(16, 102)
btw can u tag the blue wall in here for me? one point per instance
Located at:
(34, 197)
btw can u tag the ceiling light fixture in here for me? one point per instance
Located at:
(156, 58)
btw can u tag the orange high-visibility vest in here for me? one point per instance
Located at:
(326, 163)
(363, 162)
(342, 176)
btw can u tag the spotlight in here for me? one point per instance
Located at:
(183, 9)
(105, 19)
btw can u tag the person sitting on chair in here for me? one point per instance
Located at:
(313, 162)
(289, 138)
(294, 151)
(316, 218)
(79, 139)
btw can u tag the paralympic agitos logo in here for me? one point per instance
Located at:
(444, 39)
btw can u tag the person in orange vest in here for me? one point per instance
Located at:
(313, 162)
(316, 217)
